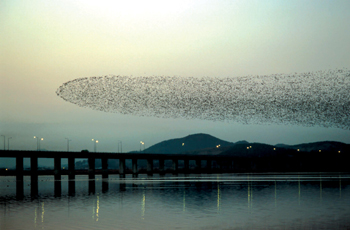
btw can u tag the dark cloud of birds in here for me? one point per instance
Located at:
(308, 99)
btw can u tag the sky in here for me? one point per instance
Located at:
(44, 44)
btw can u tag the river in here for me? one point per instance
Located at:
(205, 201)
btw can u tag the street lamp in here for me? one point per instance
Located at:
(68, 144)
(4, 140)
(38, 139)
(142, 143)
(39, 142)
(8, 143)
(121, 146)
(95, 141)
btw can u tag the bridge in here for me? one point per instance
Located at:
(202, 164)
(104, 157)
(58, 171)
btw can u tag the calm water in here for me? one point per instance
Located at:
(225, 201)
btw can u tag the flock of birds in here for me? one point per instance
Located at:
(319, 98)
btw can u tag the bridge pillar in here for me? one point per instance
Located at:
(19, 178)
(71, 168)
(34, 176)
(149, 166)
(121, 166)
(57, 175)
(161, 167)
(220, 164)
(57, 168)
(134, 166)
(71, 176)
(208, 166)
(175, 166)
(104, 167)
(253, 165)
(232, 166)
(186, 166)
(198, 166)
(91, 168)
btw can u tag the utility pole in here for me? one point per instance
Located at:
(121, 146)
(68, 144)
(8, 143)
(4, 140)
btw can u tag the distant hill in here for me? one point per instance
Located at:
(205, 144)
(189, 143)
(316, 146)
(254, 150)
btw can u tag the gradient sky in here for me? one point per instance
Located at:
(46, 43)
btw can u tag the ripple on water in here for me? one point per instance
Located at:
(193, 202)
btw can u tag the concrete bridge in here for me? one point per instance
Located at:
(202, 164)
(104, 157)
(19, 172)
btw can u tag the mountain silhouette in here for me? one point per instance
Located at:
(254, 150)
(205, 144)
(189, 143)
(316, 146)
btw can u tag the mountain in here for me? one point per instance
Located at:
(316, 146)
(205, 144)
(189, 143)
(254, 150)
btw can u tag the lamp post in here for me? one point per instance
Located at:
(68, 144)
(142, 144)
(41, 139)
(121, 146)
(4, 140)
(95, 141)
(37, 143)
(38, 139)
(8, 143)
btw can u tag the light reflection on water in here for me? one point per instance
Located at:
(225, 201)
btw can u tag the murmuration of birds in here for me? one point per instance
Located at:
(319, 98)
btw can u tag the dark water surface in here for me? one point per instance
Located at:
(222, 201)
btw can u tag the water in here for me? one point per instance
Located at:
(223, 201)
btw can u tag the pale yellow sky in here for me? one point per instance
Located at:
(46, 43)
